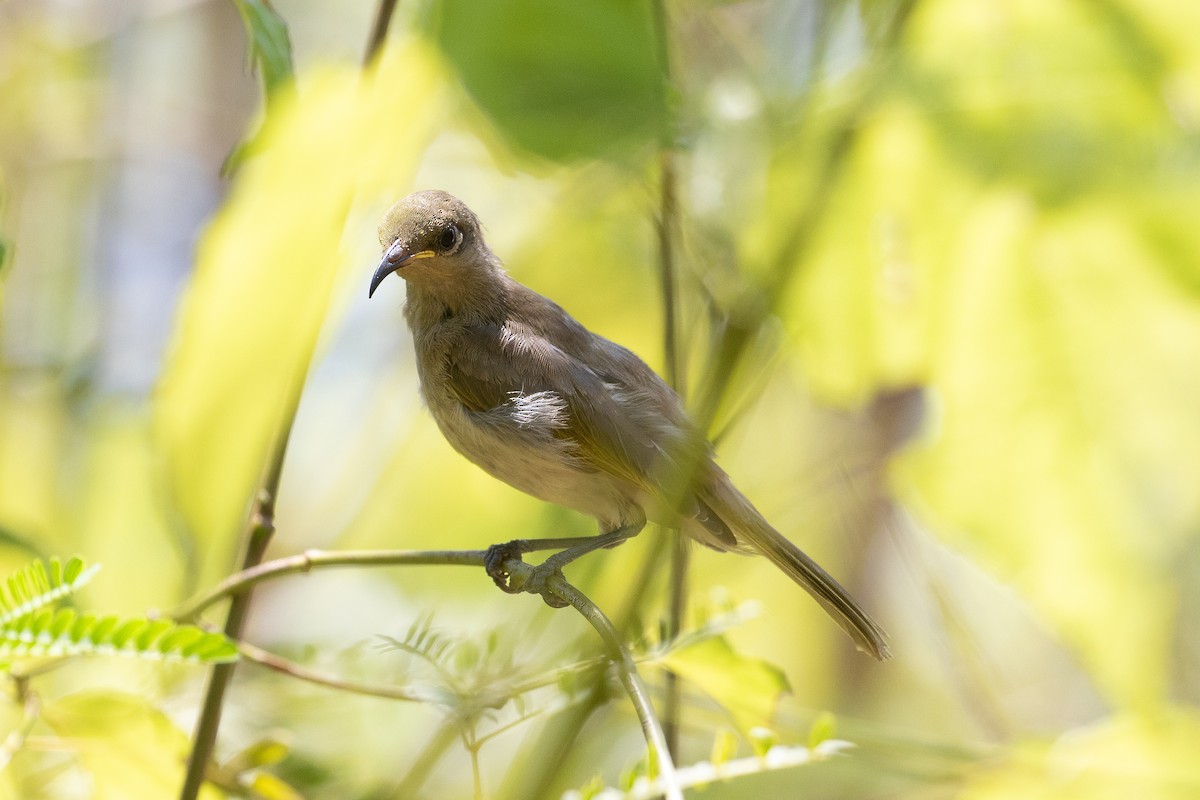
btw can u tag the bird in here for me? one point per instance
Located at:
(526, 392)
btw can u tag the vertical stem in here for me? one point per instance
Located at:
(668, 222)
(379, 29)
(429, 757)
(665, 225)
(673, 686)
(260, 528)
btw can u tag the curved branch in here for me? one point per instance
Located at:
(626, 671)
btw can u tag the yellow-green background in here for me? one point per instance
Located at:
(974, 393)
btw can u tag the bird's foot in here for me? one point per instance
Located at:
(504, 565)
(494, 563)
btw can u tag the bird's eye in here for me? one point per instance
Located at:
(450, 238)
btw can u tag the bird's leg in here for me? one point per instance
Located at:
(535, 583)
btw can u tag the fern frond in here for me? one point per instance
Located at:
(39, 584)
(65, 632)
(31, 627)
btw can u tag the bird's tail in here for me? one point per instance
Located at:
(749, 526)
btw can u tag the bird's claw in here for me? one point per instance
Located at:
(526, 578)
(493, 563)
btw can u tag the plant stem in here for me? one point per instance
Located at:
(419, 772)
(261, 526)
(673, 689)
(668, 225)
(665, 226)
(629, 677)
(379, 29)
(746, 320)
(293, 670)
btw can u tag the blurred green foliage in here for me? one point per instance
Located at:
(985, 205)
(269, 45)
(264, 279)
(560, 80)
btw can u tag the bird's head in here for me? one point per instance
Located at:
(432, 239)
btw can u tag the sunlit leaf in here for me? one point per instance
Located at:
(270, 787)
(724, 747)
(748, 688)
(262, 753)
(823, 728)
(265, 274)
(762, 739)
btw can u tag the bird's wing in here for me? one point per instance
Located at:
(493, 364)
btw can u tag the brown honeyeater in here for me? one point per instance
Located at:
(542, 403)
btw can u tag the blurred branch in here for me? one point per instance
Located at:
(31, 710)
(290, 668)
(666, 224)
(674, 362)
(379, 29)
(419, 772)
(745, 320)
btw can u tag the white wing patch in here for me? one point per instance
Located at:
(539, 410)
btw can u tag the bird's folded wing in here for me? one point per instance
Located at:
(495, 365)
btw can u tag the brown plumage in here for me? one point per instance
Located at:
(540, 402)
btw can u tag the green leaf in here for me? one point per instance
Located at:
(564, 80)
(762, 739)
(179, 639)
(82, 628)
(72, 571)
(266, 786)
(209, 648)
(152, 633)
(268, 42)
(748, 688)
(126, 632)
(39, 622)
(103, 628)
(63, 620)
(724, 747)
(193, 644)
(823, 728)
(263, 753)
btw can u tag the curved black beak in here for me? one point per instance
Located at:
(396, 257)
